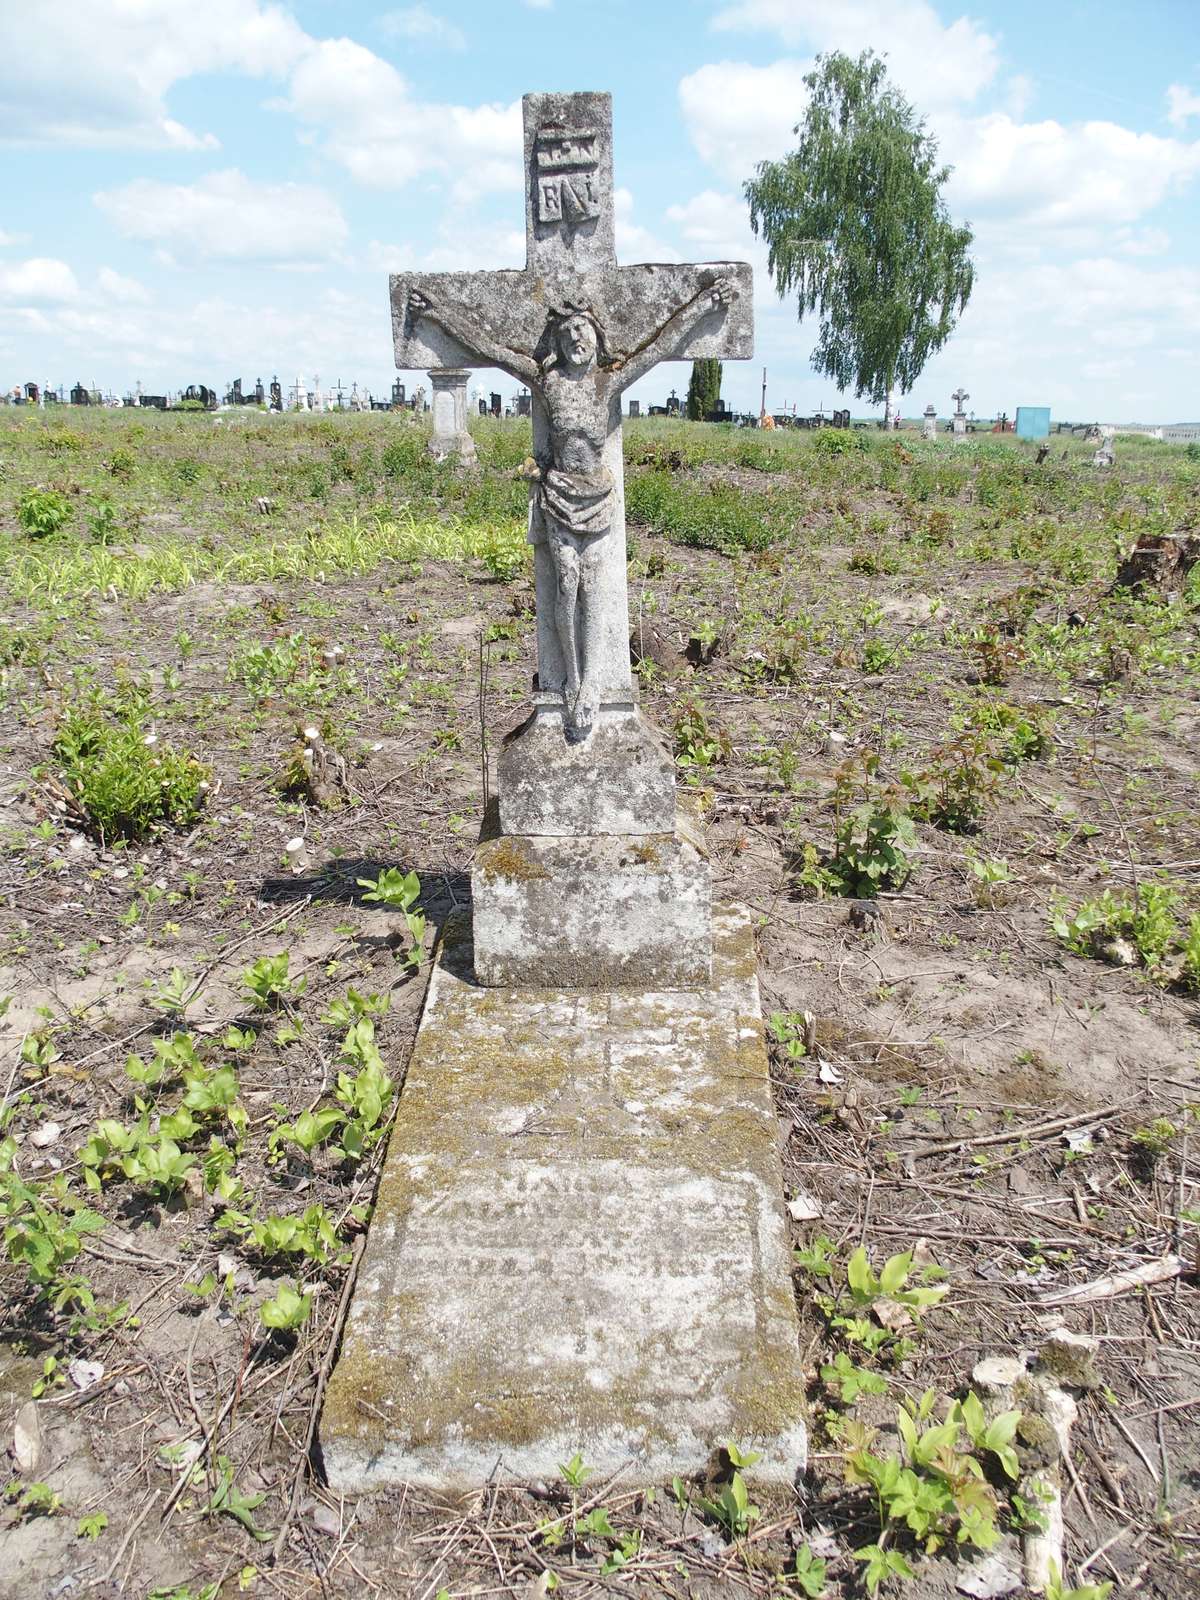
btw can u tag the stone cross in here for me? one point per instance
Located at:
(578, 330)
(959, 420)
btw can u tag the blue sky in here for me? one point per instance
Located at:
(202, 189)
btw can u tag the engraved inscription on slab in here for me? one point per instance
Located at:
(568, 187)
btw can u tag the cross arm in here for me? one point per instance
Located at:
(465, 319)
(711, 298)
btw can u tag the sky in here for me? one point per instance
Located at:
(196, 190)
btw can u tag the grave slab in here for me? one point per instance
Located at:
(578, 1241)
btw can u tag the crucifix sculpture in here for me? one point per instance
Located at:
(578, 330)
(587, 875)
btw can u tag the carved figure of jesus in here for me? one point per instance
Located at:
(571, 490)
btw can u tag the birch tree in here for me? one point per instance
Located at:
(856, 227)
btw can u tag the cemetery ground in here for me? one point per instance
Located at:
(947, 760)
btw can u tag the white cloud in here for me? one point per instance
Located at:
(423, 26)
(1052, 176)
(942, 65)
(116, 286)
(370, 123)
(100, 74)
(1094, 336)
(229, 217)
(635, 242)
(458, 249)
(738, 115)
(1047, 175)
(211, 340)
(712, 220)
(1141, 241)
(1182, 104)
(41, 280)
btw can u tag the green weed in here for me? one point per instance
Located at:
(127, 783)
(43, 512)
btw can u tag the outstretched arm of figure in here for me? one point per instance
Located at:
(473, 338)
(661, 344)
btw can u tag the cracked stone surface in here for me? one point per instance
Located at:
(578, 1242)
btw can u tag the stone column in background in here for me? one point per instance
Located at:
(929, 426)
(450, 436)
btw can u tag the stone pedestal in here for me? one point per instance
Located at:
(594, 911)
(578, 1242)
(929, 425)
(450, 435)
(589, 874)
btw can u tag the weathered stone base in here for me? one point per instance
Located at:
(442, 446)
(594, 913)
(620, 779)
(578, 1242)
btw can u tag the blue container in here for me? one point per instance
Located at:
(1033, 422)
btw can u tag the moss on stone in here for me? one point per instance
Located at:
(646, 854)
(1070, 1365)
(1037, 1442)
(509, 857)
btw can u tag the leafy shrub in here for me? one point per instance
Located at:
(125, 783)
(404, 455)
(760, 455)
(873, 833)
(939, 525)
(61, 441)
(505, 553)
(1190, 973)
(1020, 732)
(102, 524)
(995, 656)
(121, 463)
(43, 512)
(954, 790)
(872, 846)
(504, 448)
(187, 470)
(493, 500)
(874, 561)
(839, 442)
(697, 742)
(878, 655)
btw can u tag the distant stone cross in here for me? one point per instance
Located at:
(578, 330)
(960, 397)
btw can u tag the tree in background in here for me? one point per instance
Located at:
(704, 391)
(855, 224)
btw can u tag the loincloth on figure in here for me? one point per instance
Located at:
(580, 503)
